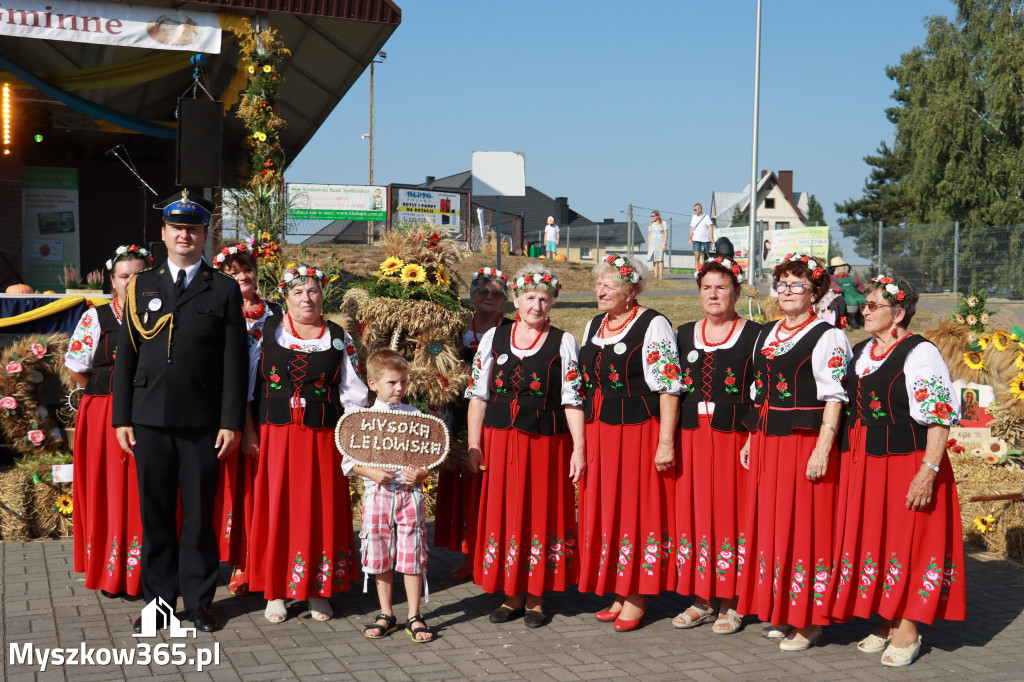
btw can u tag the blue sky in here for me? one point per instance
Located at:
(617, 103)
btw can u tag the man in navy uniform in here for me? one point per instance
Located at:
(180, 385)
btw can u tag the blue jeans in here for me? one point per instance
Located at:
(701, 247)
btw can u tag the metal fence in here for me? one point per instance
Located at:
(946, 257)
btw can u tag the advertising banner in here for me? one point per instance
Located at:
(337, 202)
(812, 241)
(51, 231)
(151, 28)
(441, 209)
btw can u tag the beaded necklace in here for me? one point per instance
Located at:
(606, 327)
(796, 330)
(709, 344)
(530, 347)
(476, 335)
(291, 327)
(118, 311)
(254, 314)
(883, 356)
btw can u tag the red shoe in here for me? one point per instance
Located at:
(606, 616)
(239, 584)
(627, 625)
(461, 572)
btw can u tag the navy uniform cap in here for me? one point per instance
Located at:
(184, 209)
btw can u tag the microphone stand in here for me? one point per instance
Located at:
(127, 163)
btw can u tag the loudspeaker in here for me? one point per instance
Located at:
(159, 251)
(200, 126)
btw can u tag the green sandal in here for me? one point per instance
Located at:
(413, 632)
(382, 630)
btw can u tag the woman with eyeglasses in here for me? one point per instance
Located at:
(793, 459)
(458, 489)
(901, 540)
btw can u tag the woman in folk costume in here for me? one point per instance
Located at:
(631, 386)
(107, 522)
(304, 373)
(900, 536)
(233, 506)
(458, 489)
(716, 359)
(526, 435)
(793, 458)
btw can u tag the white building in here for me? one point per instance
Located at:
(778, 206)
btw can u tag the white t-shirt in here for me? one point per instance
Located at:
(551, 233)
(701, 226)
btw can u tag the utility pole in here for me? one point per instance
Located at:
(753, 160)
(383, 55)
(629, 230)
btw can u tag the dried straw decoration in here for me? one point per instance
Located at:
(15, 510)
(976, 477)
(24, 367)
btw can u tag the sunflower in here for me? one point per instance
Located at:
(1017, 386)
(984, 523)
(391, 265)
(428, 484)
(64, 505)
(1019, 361)
(973, 359)
(984, 341)
(441, 277)
(413, 273)
(1001, 340)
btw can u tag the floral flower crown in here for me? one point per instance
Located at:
(625, 269)
(131, 248)
(489, 272)
(889, 288)
(732, 265)
(536, 280)
(295, 271)
(219, 259)
(815, 270)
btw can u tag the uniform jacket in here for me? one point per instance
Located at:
(194, 376)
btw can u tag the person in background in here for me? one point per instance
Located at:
(233, 509)
(702, 233)
(107, 521)
(551, 238)
(179, 405)
(394, 534)
(657, 243)
(900, 537)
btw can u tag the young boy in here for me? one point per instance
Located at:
(394, 516)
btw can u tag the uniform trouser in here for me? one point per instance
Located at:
(169, 460)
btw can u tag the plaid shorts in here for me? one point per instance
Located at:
(394, 533)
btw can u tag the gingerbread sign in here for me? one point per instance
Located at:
(392, 440)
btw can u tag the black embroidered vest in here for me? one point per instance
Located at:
(533, 382)
(102, 377)
(625, 396)
(787, 383)
(316, 377)
(880, 402)
(720, 376)
(468, 353)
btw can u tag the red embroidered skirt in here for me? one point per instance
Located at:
(711, 503)
(455, 510)
(892, 561)
(790, 532)
(627, 511)
(301, 542)
(526, 527)
(105, 494)
(232, 509)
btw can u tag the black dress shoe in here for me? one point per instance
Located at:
(205, 619)
(504, 614)
(137, 626)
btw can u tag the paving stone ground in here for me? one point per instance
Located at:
(45, 603)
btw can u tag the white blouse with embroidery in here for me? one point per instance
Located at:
(929, 385)
(661, 353)
(483, 363)
(828, 359)
(352, 390)
(82, 348)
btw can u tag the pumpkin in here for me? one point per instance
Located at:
(19, 289)
(560, 256)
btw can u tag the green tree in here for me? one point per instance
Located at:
(815, 211)
(739, 217)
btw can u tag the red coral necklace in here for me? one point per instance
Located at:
(255, 314)
(530, 347)
(476, 335)
(704, 336)
(796, 330)
(118, 311)
(291, 328)
(884, 355)
(606, 327)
